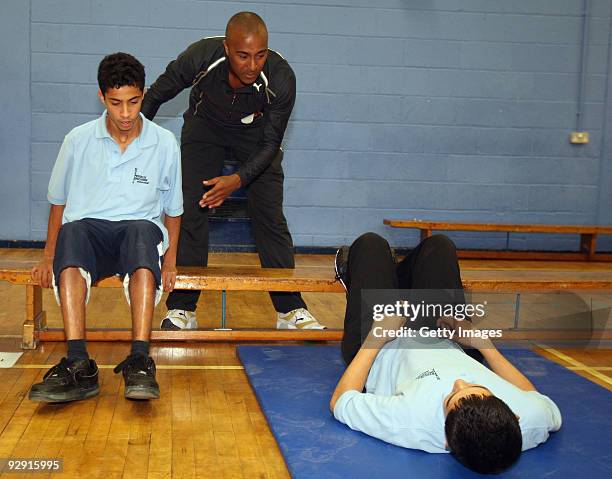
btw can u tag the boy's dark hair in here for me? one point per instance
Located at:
(120, 69)
(483, 434)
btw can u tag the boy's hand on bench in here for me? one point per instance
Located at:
(42, 273)
(168, 272)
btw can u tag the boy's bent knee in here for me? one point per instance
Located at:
(142, 278)
(142, 274)
(440, 243)
(68, 277)
(370, 240)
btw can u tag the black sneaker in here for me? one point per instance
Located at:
(341, 265)
(67, 381)
(139, 375)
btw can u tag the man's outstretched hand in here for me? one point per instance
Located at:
(222, 187)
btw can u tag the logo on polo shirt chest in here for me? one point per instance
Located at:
(139, 178)
(430, 372)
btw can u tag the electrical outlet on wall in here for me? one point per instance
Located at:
(579, 137)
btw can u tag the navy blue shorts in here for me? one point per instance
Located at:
(105, 248)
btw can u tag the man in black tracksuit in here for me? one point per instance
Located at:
(242, 95)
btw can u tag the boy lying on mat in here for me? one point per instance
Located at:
(424, 393)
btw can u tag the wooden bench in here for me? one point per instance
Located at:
(216, 278)
(509, 277)
(588, 238)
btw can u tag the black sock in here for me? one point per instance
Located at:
(140, 347)
(77, 350)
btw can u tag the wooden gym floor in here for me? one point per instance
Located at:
(207, 422)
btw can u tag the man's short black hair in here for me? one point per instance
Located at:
(483, 434)
(248, 22)
(120, 69)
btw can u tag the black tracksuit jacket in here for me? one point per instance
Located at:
(266, 105)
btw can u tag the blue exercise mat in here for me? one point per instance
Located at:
(294, 384)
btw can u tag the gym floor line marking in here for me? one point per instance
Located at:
(577, 364)
(158, 366)
(596, 368)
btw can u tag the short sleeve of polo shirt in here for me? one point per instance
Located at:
(172, 194)
(57, 193)
(538, 419)
(379, 417)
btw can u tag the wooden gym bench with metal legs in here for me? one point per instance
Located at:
(588, 238)
(215, 278)
(305, 279)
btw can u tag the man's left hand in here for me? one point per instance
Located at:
(222, 187)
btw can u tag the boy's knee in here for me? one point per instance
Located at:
(440, 243)
(142, 278)
(369, 241)
(70, 273)
(70, 277)
(142, 275)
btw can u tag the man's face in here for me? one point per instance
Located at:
(123, 107)
(460, 390)
(247, 54)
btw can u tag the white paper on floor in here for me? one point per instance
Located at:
(8, 360)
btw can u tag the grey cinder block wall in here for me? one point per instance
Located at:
(445, 109)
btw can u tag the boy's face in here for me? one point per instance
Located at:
(123, 107)
(460, 390)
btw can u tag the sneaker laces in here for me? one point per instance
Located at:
(61, 373)
(136, 362)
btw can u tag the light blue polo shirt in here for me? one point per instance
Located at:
(407, 384)
(95, 180)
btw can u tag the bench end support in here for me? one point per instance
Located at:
(36, 318)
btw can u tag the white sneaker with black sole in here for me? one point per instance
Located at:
(179, 319)
(298, 319)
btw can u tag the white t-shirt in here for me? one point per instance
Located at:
(406, 387)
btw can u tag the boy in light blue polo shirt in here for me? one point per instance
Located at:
(116, 206)
(427, 393)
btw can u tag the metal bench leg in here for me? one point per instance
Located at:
(517, 311)
(36, 318)
(588, 243)
(223, 308)
(223, 311)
